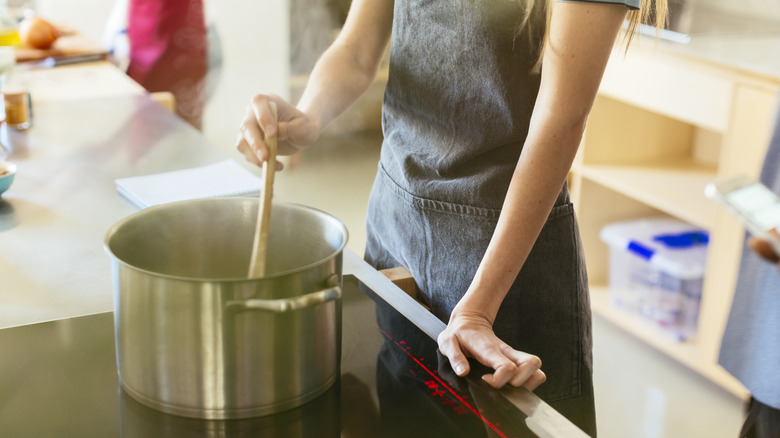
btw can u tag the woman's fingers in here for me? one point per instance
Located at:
(490, 354)
(249, 154)
(257, 125)
(467, 336)
(502, 375)
(449, 346)
(523, 371)
(525, 374)
(529, 372)
(535, 380)
(251, 140)
(263, 114)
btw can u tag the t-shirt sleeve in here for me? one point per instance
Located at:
(631, 4)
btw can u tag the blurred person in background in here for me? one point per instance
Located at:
(750, 349)
(164, 46)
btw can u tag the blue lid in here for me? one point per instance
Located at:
(672, 241)
(683, 240)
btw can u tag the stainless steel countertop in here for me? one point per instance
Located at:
(750, 53)
(63, 199)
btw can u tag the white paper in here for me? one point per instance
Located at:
(225, 178)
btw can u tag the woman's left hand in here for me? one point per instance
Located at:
(471, 335)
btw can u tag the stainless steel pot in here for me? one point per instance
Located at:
(196, 337)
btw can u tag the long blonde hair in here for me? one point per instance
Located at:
(649, 11)
(537, 14)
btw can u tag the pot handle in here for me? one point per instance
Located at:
(287, 304)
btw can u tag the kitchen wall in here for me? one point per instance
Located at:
(88, 16)
(756, 8)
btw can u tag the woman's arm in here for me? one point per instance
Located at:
(352, 60)
(581, 37)
(341, 75)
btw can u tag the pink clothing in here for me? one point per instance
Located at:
(168, 51)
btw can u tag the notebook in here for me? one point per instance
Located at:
(225, 178)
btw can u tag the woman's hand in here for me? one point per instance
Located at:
(341, 75)
(294, 129)
(470, 334)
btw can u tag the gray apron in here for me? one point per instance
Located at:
(457, 106)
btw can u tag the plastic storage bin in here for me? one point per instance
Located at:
(656, 270)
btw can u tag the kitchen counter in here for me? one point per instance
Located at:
(743, 52)
(91, 125)
(741, 43)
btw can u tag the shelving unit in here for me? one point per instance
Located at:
(665, 124)
(670, 188)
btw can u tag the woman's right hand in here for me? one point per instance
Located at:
(294, 130)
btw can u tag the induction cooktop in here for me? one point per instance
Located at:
(59, 379)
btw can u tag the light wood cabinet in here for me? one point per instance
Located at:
(665, 124)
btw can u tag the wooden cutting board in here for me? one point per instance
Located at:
(65, 46)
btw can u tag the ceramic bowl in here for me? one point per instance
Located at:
(7, 173)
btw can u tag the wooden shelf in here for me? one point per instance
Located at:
(676, 189)
(662, 127)
(687, 352)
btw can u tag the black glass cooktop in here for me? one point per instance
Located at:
(59, 379)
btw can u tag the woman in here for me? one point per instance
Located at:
(487, 231)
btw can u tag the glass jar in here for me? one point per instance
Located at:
(9, 34)
(18, 109)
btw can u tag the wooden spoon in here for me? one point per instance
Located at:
(257, 263)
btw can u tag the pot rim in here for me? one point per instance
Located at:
(118, 224)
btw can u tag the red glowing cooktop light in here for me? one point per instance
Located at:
(440, 389)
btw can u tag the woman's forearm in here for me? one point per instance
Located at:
(556, 128)
(536, 182)
(335, 83)
(349, 66)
